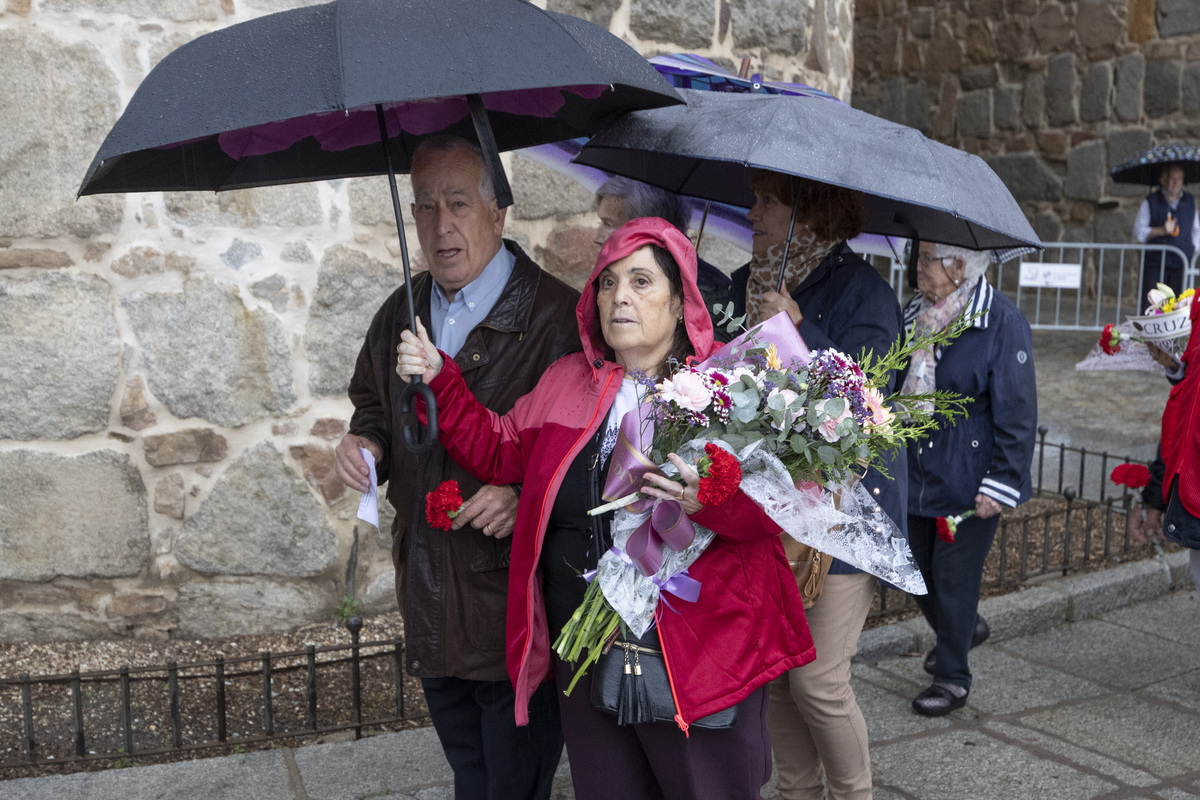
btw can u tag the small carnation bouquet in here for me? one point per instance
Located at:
(443, 504)
(792, 428)
(947, 527)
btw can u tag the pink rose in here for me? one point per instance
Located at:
(828, 426)
(688, 390)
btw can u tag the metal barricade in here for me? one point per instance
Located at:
(1109, 278)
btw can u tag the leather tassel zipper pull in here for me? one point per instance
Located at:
(643, 711)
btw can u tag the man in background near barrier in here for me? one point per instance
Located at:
(1166, 216)
(504, 320)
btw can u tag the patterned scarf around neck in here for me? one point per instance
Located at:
(806, 254)
(933, 317)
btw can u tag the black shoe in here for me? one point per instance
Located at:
(980, 635)
(938, 701)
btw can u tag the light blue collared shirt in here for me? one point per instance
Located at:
(452, 322)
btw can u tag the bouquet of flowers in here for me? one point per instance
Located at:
(1165, 324)
(801, 425)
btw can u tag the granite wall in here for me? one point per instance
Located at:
(1052, 93)
(173, 366)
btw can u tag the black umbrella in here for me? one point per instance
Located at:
(310, 93)
(1146, 167)
(914, 187)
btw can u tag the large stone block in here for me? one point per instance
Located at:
(239, 607)
(1191, 90)
(61, 624)
(596, 11)
(975, 114)
(1161, 90)
(1097, 88)
(1115, 227)
(1178, 17)
(1141, 21)
(540, 192)
(371, 200)
(916, 107)
(1098, 24)
(1052, 28)
(141, 261)
(1060, 89)
(58, 103)
(77, 517)
(1033, 101)
(173, 10)
(690, 23)
(892, 98)
(260, 519)
(350, 288)
(59, 355)
(977, 76)
(1131, 70)
(1027, 177)
(1123, 144)
(279, 206)
(570, 254)
(208, 356)
(1006, 107)
(780, 25)
(192, 446)
(1087, 171)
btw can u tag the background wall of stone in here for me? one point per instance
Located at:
(1052, 93)
(173, 367)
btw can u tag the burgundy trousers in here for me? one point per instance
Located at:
(654, 760)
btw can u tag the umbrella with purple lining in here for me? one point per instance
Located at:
(349, 89)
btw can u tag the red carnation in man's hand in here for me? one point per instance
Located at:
(443, 504)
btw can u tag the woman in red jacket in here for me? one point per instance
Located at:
(640, 308)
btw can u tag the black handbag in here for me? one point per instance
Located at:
(630, 681)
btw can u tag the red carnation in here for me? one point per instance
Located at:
(1135, 476)
(443, 504)
(943, 530)
(1110, 339)
(720, 475)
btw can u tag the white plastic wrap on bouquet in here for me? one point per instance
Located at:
(858, 533)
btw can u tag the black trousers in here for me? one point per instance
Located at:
(953, 573)
(491, 757)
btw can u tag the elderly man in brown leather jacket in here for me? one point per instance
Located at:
(504, 321)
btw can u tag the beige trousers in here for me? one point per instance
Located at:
(814, 719)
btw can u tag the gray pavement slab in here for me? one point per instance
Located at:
(1108, 654)
(1174, 616)
(1156, 737)
(1005, 684)
(1183, 690)
(376, 765)
(1080, 756)
(957, 764)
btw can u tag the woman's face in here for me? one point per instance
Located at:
(638, 312)
(770, 217)
(937, 277)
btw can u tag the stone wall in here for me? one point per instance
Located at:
(173, 366)
(1052, 93)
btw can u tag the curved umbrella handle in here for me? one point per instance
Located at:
(412, 440)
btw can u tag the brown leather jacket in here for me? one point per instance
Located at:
(453, 585)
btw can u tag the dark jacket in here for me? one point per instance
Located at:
(847, 306)
(990, 451)
(453, 585)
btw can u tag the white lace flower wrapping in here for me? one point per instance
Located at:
(858, 533)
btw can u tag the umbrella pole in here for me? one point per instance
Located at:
(491, 153)
(703, 220)
(412, 441)
(787, 244)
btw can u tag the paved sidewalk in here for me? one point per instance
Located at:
(1089, 688)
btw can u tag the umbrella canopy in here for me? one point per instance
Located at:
(684, 71)
(1146, 167)
(292, 96)
(348, 89)
(914, 187)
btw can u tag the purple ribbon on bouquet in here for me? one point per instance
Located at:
(778, 330)
(627, 470)
(681, 584)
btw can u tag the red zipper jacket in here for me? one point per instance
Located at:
(748, 624)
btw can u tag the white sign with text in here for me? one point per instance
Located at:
(1039, 275)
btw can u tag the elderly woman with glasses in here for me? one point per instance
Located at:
(978, 466)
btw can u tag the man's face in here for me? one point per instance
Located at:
(1172, 181)
(612, 216)
(458, 230)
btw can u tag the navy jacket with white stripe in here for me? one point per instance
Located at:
(990, 451)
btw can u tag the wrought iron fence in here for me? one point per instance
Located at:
(1075, 522)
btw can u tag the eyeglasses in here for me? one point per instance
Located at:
(928, 261)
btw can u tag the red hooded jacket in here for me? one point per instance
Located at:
(1181, 426)
(748, 624)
